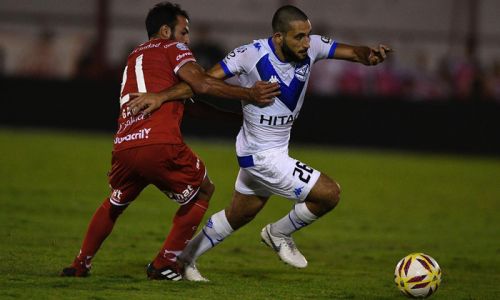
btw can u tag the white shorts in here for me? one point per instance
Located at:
(274, 172)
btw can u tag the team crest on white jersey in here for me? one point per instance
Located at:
(302, 72)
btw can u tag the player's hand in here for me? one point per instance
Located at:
(144, 102)
(263, 93)
(378, 55)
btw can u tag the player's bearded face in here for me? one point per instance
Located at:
(296, 41)
(291, 55)
(181, 30)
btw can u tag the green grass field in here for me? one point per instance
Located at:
(392, 204)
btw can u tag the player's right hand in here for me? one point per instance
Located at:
(145, 102)
(263, 93)
(378, 55)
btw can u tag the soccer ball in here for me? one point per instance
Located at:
(417, 275)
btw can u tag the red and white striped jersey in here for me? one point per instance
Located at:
(152, 67)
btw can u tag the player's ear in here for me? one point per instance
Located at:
(165, 32)
(278, 37)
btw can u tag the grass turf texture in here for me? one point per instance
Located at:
(392, 204)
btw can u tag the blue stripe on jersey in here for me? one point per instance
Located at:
(332, 49)
(289, 94)
(226, 69)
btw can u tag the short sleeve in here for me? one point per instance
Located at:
(322, 47)
(240, 60)
(178, 54)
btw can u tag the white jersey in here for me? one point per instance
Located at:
(269, 127)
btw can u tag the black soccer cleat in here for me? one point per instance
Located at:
(167, 273)
(77, 269)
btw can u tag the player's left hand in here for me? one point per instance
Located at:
(378, 55)
(145, 102)
(262, 93)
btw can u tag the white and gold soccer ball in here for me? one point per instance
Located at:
(417, 275)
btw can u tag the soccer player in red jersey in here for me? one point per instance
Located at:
(149, 148)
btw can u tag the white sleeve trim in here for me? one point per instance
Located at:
(182, 63)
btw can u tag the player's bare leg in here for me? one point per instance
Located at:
(243, 209)
(322, 198)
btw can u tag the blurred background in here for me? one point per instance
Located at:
(61, 63)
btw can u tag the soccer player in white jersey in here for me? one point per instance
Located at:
(262, 144)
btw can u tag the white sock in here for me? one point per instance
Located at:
(214, 232)
(300, 216)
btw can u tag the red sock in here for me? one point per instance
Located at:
(99, 228)
(186, 221)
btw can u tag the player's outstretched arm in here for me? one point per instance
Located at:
(149, 102)
(262, 93)
(362, 54)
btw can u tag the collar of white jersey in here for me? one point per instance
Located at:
(270, 41)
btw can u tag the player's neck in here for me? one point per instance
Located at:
(278, 51)
(154, 37)
(161, 35)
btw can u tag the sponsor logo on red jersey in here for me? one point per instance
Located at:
(181, 56)
(139, 135)
(148, 46)
(129, 122)
(183, 196)
(116, 196)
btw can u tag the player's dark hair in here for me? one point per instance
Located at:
(164, 13)
(286, 14)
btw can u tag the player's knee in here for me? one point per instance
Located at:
(207, 190)
(333, 195)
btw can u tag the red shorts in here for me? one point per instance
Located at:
(174, 169)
